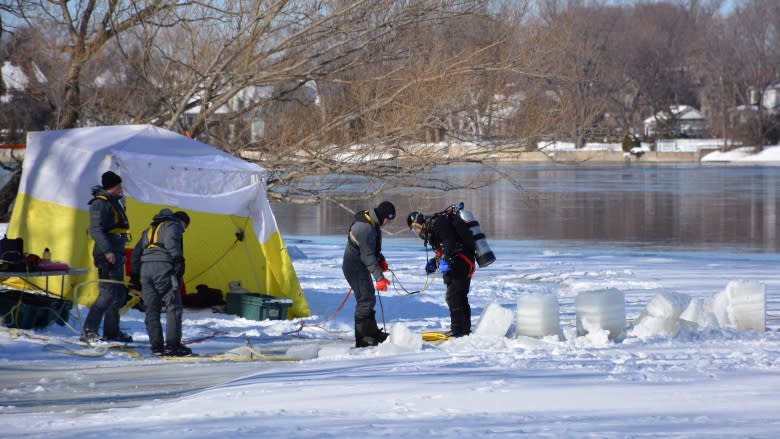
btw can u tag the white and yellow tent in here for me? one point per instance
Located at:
(233, 235)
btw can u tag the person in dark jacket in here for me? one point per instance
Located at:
(109, 228)
(158, 266)
(363, 259)
(455, 252)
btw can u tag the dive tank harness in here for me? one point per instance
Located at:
(483, 252)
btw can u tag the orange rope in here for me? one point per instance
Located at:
(327, 319)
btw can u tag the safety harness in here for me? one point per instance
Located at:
(152, 236)
(121, 224)
(365, 217)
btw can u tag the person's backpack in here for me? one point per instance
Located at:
(204, 297)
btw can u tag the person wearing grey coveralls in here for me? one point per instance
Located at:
(158, 266)
(362, 259)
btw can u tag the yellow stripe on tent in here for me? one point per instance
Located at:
(64, 230)
(218, 249)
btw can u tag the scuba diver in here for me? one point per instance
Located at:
(458, 244)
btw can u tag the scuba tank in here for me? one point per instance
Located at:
(485, 255)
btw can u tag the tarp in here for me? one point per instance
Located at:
(233, 235)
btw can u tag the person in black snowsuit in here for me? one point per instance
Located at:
(157, 268)
(109, 228)
(362, 259)
(455, 253)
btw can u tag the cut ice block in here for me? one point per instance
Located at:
(604, 309)
(495, 320)
(538, 315)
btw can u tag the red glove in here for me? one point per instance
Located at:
(383, 265)
(438, 253)
(382, 284)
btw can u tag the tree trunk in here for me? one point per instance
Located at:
(72, 98)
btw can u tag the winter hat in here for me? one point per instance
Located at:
(385, 210)
(182, 215)
(415, 217)
(109, 180)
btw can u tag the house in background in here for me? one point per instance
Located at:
(770, 104)
(252, 112)
(15, 80)
(24, 104)
(770, 98)
(678, 121)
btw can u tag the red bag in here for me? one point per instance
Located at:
(53, 266)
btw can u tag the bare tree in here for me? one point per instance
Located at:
(325, 90)
(294, 84)
(720, 72)
(320, 78)
(24, 106)
(86, 27)
(575, 78)
(756, 29)
(660, 63)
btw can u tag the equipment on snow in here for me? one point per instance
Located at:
(436, 336)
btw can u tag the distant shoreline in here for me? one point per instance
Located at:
(617, 157)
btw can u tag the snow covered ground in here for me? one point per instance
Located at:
(769, 155)
(707, 381)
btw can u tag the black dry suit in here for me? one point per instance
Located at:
(361, 260)
(108, 227)
(158, 261)
(449, 234)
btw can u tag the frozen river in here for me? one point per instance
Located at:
(674, 205)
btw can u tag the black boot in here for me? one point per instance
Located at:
(460, 323)
(177, 350)
(358, 333)
(364, 334)
(381, 335)
(367, 333)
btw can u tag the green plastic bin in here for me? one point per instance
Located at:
(255, 306)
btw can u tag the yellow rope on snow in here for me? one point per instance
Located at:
(91, 351)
